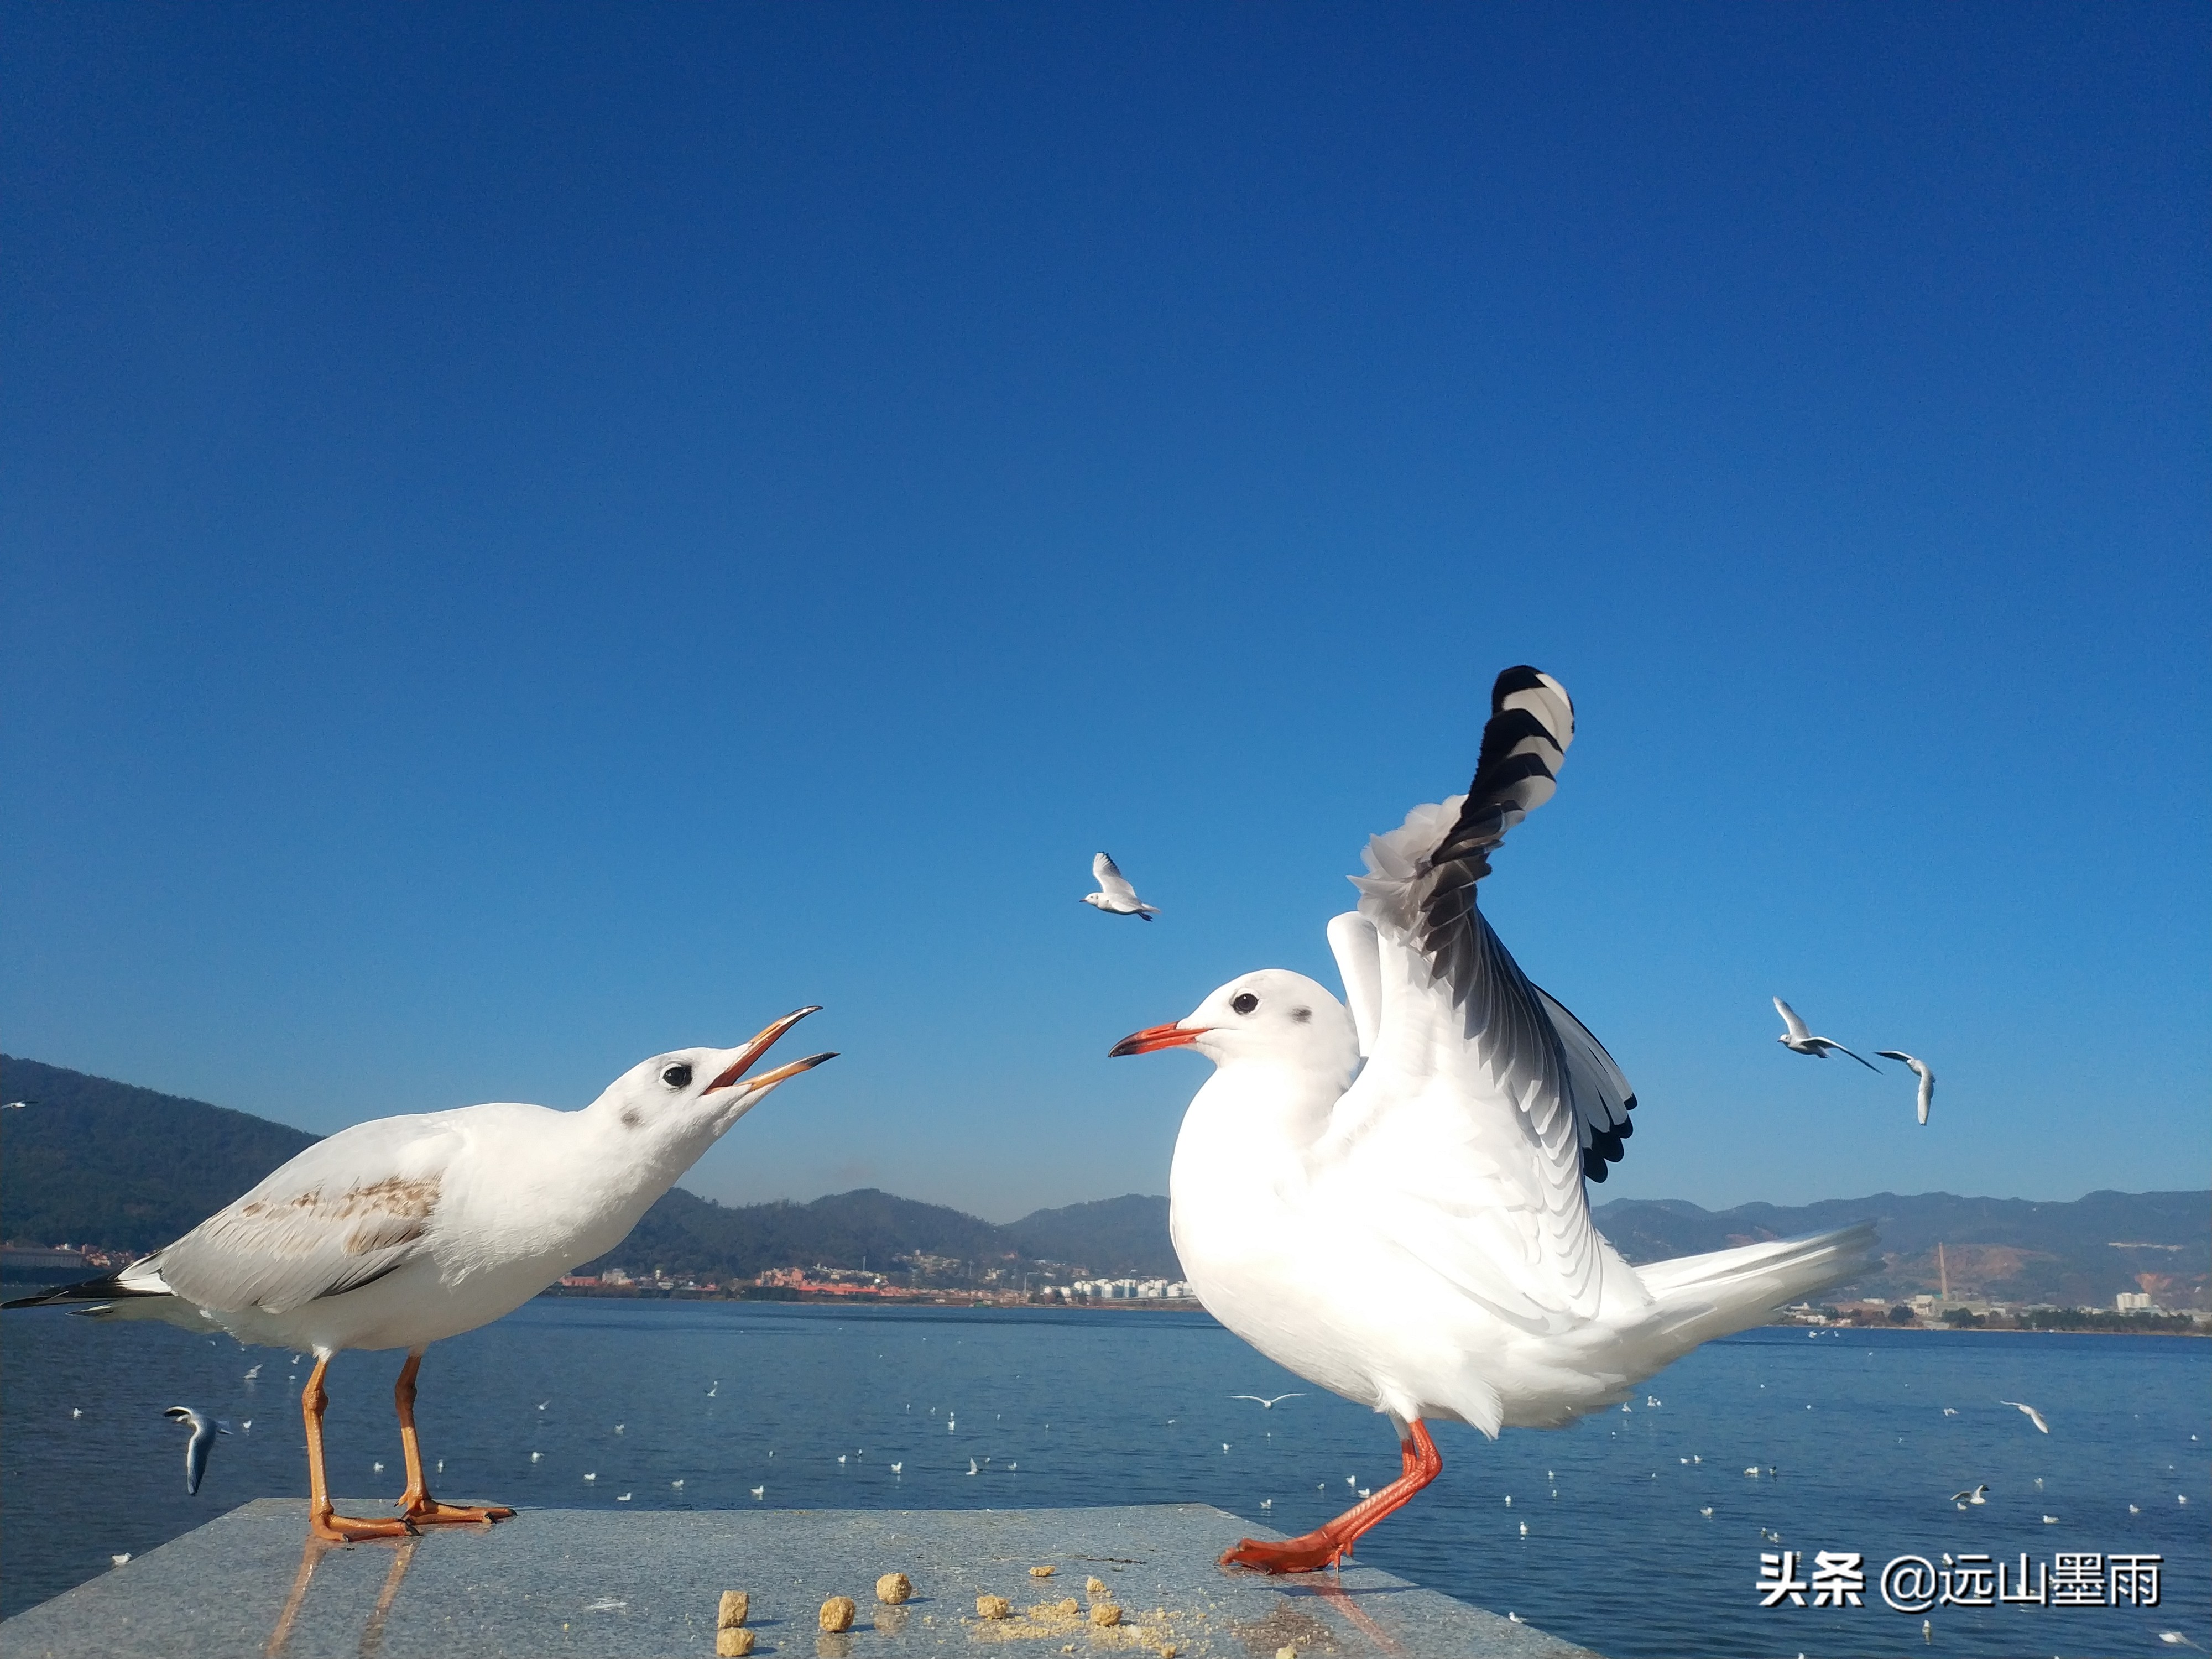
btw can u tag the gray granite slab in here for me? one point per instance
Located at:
(646, 1586)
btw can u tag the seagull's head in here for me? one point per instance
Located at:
(1274, 1017)
(696, 1094)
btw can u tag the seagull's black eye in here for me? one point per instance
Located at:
(1243, 1002)
(677, 1076)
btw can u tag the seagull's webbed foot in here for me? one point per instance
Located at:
(325, 1523)
(1312, 1553)
(424, 1511)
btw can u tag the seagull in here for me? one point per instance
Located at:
(1707, 1512)
(1799, 1040)
(204, 1430)
(1419, 1240)
(115, 1560)
(1919, 1068)
(677, 1485)
(255, 1372)
(401, 1231)
(1948, 1412)
(622, 1497)
(2033, 1415)
(1114, 895)
(759, 1492)
(1266, 1404)
(76, 1411)
(619, 1427)
(2172, 1638)
(535, 1455)
(594, 1475)
(1266, 1503)
(2050, 1520)
(972, 1469)
(899, 1468)
(716, 1389)
(1972, 1495)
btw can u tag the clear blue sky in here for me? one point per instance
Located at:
(535, 535)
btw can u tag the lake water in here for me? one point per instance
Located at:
(1074, 1407)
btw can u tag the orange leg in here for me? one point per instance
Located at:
(1333, 1542)
(322, 1522)
(417, 1503)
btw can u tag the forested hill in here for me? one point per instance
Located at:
(106, 1164)
(93, 1162)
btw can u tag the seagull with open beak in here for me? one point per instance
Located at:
(395, 1233)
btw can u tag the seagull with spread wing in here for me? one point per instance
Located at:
(1414, 1234)
(1919, 1069)
(400, 1232)
(204, 1430)
(1114, 895)
(1800, 1041)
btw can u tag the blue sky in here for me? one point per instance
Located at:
(538, 535)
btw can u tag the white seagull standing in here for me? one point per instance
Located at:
(397, 1233)
(1920, 1070)
(1799, 1040)
(1114, 895)
(204, 1430)
(1419, 1240)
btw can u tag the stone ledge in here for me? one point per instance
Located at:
(646, 1585)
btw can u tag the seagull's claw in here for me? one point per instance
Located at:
(429, 1511)
(1310, 1553)
(350, 1529)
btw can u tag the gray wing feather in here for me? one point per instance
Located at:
(1598, 1091)
(344, 1213)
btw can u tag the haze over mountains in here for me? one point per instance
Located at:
(111, 1165)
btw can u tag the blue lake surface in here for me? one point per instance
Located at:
(1075, 1406)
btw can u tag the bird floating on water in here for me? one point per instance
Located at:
(402, 1231)
(1799, 1040)
(1114, 895)
(1414, 1234)
(204, 1430)
(1919, 1069)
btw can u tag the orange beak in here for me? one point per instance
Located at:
(759, 1046)
(1154, 1037)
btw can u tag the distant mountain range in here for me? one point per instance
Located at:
(108, 1164)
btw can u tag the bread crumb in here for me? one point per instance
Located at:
(893, 1587)
(732, 1613)
(733, 1642)
(993, 1606)
(1041, 1572)
(1105, 1612)
(836, 1613)
(1287, 1651)
(1095, 1587)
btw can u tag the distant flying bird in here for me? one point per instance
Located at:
(1799, 1040)
(716, 1389)
(1266, 1405)
(255, 1372)
(1919, 1070)
(1972, 1495)
(402, 1231)
(1114, 895)
(204, 1430)
(17, 1106)
(2033, 1415)
(972, 1469)
(1341, 1217)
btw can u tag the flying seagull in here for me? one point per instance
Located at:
(1799, 1040)
(1919, 1070)
(1266, 1405)
(1345, 1221)
(405, 1231)
(1114, 895)
(1972, 1495)
(2033, 1415)
(204, 1430)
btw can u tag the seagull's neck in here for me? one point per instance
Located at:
(1254, 1120)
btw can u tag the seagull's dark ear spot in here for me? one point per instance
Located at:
(1302, 1015)
(632, 1117)
(1243, 1002)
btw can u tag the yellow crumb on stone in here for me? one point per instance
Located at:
(893, 1587)
(837, 1614)
(1041, 1572)
(732, 1613)
(1103, 1613)
(1287, 1651)
(993, 1606)
(734, 1642)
